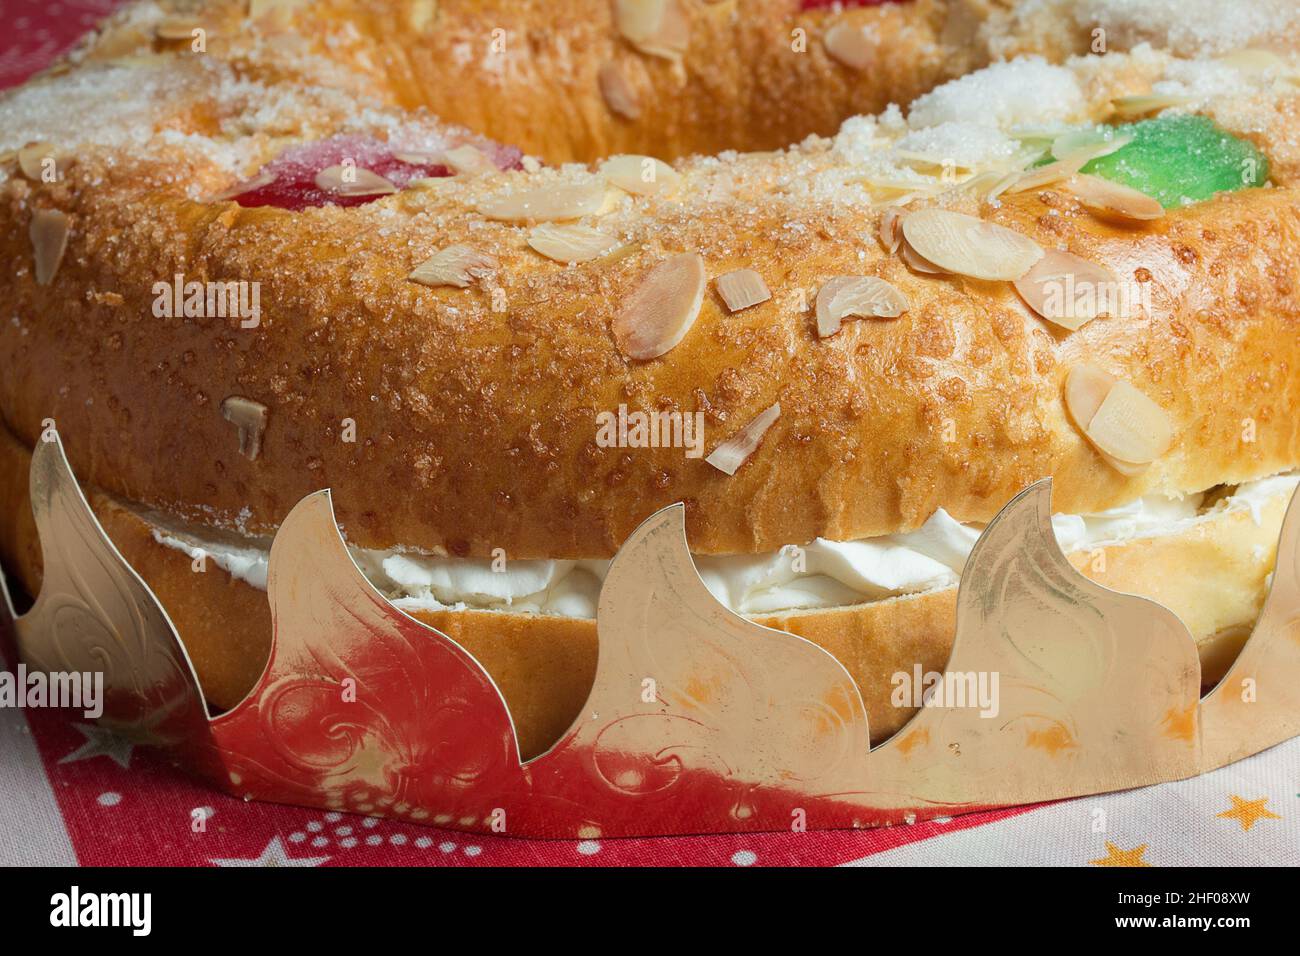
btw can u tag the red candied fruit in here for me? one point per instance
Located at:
(293, 186)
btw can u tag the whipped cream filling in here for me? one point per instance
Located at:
(822, 574)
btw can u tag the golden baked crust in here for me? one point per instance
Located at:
(475, 408)
(754, 74)
(1213, 574)
(476, 429)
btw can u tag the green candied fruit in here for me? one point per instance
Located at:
(1182, 159)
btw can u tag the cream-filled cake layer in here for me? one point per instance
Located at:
(821, 574)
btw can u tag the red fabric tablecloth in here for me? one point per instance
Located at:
(73, 794)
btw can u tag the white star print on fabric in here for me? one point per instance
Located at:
(101, 743)
(274, 855)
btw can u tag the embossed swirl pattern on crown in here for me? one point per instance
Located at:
(699, 720)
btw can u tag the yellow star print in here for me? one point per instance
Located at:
(1248, 812)
(1117, 857)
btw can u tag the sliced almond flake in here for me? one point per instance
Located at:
(418, 159)
(931, 187)
(968, 246)
(1102, 195)
(1130, 427)
(175, 28)
(353, 181)
(1087, 388)
(250, 418)
(619, 253)
(1004, 183)
(547, 203)
(980, 184)
(620, 96)
(847, 43)
(49, 235)
(638, 19)
(469, 160)
(570, 243)
(1038, 136)
(741, 289)
(917, 262)
(891, 230)
(8, 156)
(1045, 175)
(1057, 288)
(856, 297)
(264, 178)
(1253, 61)
(1087, 144)
(34, 158)
(1132, 107)
(457, 265)
(657, 27)
(735, 451)
(260, 8)
(116, 43)
(640, 175)
(420, 14)
(663, 308)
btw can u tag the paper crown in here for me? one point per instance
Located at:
(699, 720)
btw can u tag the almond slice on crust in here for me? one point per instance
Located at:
(640, 175)
(891, 230)
(49, 236)
(250, 418)
(1130, 427)
(469, 160)
(1050, 288)
(848, 44)
(34, 158)
(735, 451)
(457, 265)
(418, 158)
(663, 308)
(1004, 183)
(1086, 387)
(353, 181)
(1046, 175)
(856, 297)
(1087, 144)
(918, 263)
(741, 289)
(1131, 107)
(260, 8)
(263, 178)
(1124, 425)
(1253, 61)
(657, 27)
(570, 243)
(176, 28)
(620, 96)
(547, 203)
(968, 246)
(420, 14)
(1104, 196)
